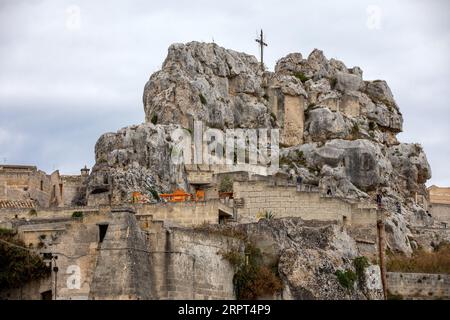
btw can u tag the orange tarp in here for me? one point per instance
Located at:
(178, 196)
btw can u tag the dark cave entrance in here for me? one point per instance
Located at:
(102, 229)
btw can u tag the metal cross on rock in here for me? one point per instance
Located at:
(262, 44)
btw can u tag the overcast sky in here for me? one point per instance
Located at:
(72, 70)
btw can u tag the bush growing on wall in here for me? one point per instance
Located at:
(253, 279)
(226, 184)
(18, 266)
(77, 214)
(154, 119)
(421, 261)
(361, 263)
(346, 278)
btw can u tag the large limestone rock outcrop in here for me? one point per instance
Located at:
(362, 161)
(198, 81)
(135, 159)
(337, 129)
(307, 255)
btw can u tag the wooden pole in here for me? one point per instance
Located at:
(381, 250)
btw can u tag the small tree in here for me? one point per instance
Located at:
(154, 119)
(18, 265)
(77, 215)
(226, 184)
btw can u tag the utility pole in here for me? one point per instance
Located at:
(50, 258)
(262, 44)
(382, 248)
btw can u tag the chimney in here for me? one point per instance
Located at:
(85, 171)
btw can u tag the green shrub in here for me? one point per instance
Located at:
(202, 99)
(77, 214)
(235, 258)
(286, 161)
(6, 232)
(154, 119)
(301, 160)
(18, 266)
(301, 76)
(269, 215)
(32, 212)
(360, 264)
(355, 129)
(154, 194)
(252, 279)
(226, 184)
(346, 278)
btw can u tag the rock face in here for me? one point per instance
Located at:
(308, 255)
(223, 88)
(135, 159)
(336, 129)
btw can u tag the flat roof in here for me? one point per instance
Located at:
(16, 166)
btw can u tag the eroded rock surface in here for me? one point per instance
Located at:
(337, 129)
(307, 255)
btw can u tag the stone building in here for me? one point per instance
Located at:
(27, 183)
(439, 203)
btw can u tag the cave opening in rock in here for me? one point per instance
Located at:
(102, 229)
(47, 295)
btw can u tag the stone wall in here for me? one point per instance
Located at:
(199, 177)
(138, 258)
(419, 285)
(294, 120)
(186, 214)
(30, 291)
(27, 182)
(23, 183)
(285, 201)
(439, 195)
(441, 212)
(75, 242)
(349, 105)
(154, 262)
(71, 188)
(187, 265)
(123, 269)
(8, 214)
